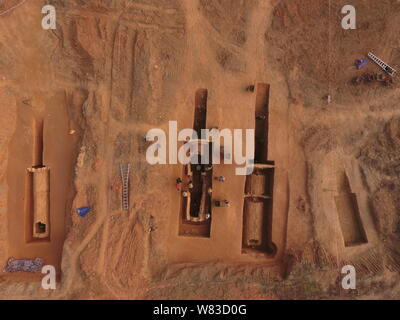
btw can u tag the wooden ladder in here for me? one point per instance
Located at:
(388, 69)
(125, 186)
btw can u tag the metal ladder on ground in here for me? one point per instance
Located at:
(388, 69)
(125, 186)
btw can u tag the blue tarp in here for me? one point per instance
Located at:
(83, 211)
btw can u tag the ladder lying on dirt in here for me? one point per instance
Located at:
(388, 69)
(125, 186)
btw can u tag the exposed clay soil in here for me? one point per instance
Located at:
(113, 69)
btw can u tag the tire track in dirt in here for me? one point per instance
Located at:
(106, 175)
(120, 245)
(103, 185)
(255, 47)
(200, 50)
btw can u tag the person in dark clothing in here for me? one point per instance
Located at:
(250, 88)
(179, 184)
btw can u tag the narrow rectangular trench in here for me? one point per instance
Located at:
(349, 214)
(196, 207)
(261, 127)
(258, 195)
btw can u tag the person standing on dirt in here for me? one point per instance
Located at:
(250, 88)
(223, 203)
(189, 172)
(179, 184)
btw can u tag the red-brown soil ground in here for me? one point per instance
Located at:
(114, 69)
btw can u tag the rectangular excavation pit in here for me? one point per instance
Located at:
(196, 206)
(40, 144)
(200, 111)
(196, 202)
(37, 196)
(261, 125)
(349, 214)
(40, 203)
(37, 207)
(258, 193)
(257, 226)
(257, 212)
(261, 182)
(38, 127)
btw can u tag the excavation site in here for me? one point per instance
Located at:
(199, 150)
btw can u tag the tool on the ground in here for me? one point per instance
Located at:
(371, 77)
(361, 63)
(388, 69)
(125, 186)
(83, 211)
